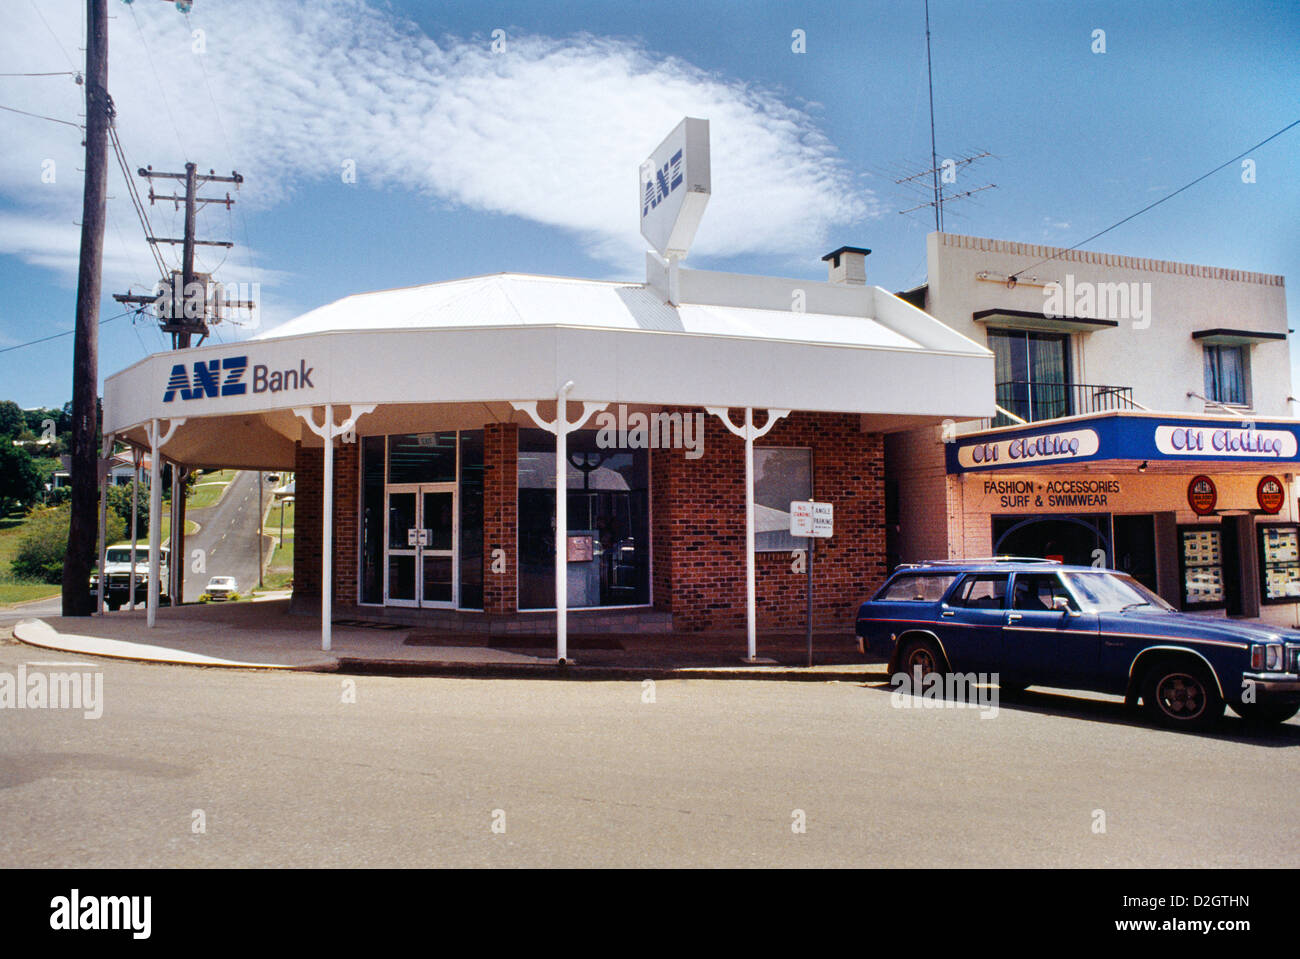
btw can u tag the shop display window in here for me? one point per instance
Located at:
(1279, 563)
(1201, 561)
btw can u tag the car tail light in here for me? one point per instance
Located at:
(1257, 657)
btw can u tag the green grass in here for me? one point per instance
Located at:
(21, 592)
(208, 488)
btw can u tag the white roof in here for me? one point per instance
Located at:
(513, 299)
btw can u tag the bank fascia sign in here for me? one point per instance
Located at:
(1116, 437)
(234, 376)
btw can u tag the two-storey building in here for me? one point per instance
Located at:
(1145, 421)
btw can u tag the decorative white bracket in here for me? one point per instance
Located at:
(158, 442)
(530, 407)
(754, 433)
(308, 414)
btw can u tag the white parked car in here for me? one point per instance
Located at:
(221, 587)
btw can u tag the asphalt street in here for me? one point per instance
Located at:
(228, 536)
(282, 769)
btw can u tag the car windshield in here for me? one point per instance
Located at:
(1112, 592)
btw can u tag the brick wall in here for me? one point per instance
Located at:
(915, 460)
(500, 514)
(699, 527)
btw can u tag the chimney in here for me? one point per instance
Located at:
(848, 265)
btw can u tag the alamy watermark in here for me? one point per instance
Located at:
(40, 689)
(651, 431)
(922, 690)
(1099, 301)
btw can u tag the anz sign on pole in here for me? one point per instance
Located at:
(226, 377)
(674, 187)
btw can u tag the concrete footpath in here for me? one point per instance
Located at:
(267, 636)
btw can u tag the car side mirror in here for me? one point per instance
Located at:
(1061, 605)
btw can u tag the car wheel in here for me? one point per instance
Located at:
(1265, 714)
(922, 654)
(1181, 695)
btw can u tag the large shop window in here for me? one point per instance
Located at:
(609, 522)
(781, 476)
(1226, 375)
(1033, 374)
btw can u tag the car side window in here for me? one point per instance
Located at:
(1040, 592)
(919, 588)
(982, 592)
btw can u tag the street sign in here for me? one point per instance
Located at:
(811, 519)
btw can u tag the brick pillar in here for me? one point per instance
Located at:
(500, 515)
(347, 543)
(309, 477)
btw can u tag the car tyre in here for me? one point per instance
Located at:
(1181, 695)
(1265, 714)
(923, 653)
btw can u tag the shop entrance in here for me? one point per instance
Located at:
(1135, 548)
(1075, 540)
(420, 567)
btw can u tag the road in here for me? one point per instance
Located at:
(228, 537)
(286, 772)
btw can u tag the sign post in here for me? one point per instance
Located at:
(812, 521)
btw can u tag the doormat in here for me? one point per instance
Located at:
(544, 641)
(367, 624)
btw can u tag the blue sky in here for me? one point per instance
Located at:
(470, 160)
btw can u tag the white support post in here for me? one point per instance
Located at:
(327, 538)
(748, 433)
(561, 427)
(135, 518)
(101, 469)
(157, 440)
(328, 432)
(562, 523)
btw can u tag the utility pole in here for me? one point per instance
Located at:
(82, 530)
(185, 312)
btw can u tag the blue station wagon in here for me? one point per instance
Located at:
(1037, 622)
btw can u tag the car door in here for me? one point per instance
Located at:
(1048, 640)
(971, 622)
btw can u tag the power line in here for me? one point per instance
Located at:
(1170, 196)
(55, 336)
(61, 73)
(162, 92)
(41, 116)
(53, 34)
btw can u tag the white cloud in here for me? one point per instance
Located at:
(551, 130)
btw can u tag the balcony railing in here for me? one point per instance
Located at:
(1034, 400)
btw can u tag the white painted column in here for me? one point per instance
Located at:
(751, 587)
(327, 537)
(748, 433)
(328, 432)
(562, 523)
(135, 524)
(155, 521)
(103, 474)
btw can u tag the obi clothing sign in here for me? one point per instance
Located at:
(674, 187)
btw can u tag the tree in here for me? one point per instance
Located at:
(12, 421)
(45, 541)
(119, 503)
(20, 480)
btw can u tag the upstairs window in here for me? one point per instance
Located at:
(1226, 375)
(1033, 373)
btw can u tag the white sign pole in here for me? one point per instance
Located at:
(751, 598)
(562, 523)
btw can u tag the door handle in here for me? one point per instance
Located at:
(949, 612)
(1013, 617)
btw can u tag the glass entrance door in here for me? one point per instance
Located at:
(421, 546)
